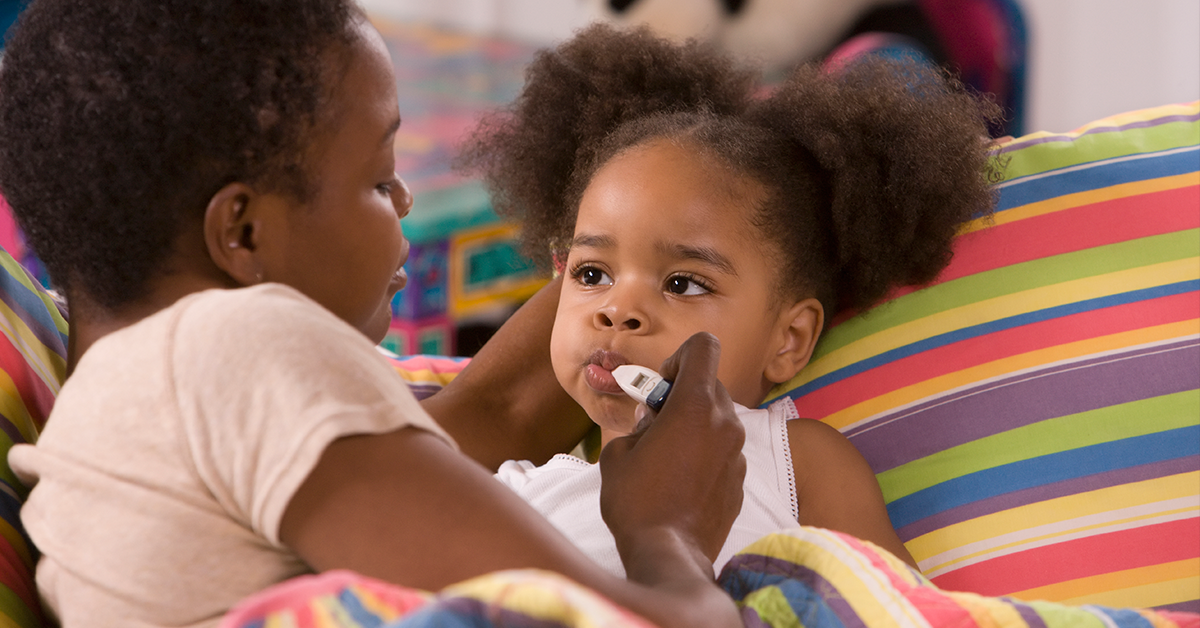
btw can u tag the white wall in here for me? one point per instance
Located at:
(1093, 58)
(1088, 58)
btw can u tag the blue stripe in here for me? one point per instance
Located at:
(1101, 175)
(1043, 470)
(29, 306)
(983, 329)
(1122, 617)
(805, 591)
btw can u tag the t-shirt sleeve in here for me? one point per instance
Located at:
(265, 379)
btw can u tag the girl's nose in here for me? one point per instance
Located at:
(402, 198)
(621, 313)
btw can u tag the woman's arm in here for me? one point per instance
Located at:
(405, 507)
(837, 489)
(507, 404)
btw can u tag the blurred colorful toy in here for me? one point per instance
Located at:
(982, 41)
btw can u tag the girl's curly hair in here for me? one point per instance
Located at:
(869, 169)
(120, 120)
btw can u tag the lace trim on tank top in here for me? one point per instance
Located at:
(789, 414)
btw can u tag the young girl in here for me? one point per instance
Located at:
(211, 183)
(674, 201)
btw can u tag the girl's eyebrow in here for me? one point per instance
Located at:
(593, 241)
(705, 254)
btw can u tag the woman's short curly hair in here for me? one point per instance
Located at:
(120, 120)
(869, 169)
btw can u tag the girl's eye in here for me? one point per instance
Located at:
(686, 286)
(592, 276)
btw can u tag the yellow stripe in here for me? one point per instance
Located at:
(8, 622)
(1084, 590)
(1122, 119)
(990, 612)
(13, 407)
(1079, 199)
(14, 268)
(50, 367)
(426, 376)
(1012, 364)
(1145, 595)
(1005, 306)
(17, 542)
(1051, 511)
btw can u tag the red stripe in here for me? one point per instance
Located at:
(1080, 558)
(1069, 230)
(1066, 231)
(16, 575)
(972, 352)
(33, 391)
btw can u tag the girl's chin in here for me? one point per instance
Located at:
(613, 414)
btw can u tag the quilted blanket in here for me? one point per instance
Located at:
(798, 577)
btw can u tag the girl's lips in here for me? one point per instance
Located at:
(597, 372)
(601, 380)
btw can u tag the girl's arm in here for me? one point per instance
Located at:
(507, 404)
(405, 507)
(837, 489)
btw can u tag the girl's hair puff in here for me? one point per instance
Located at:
(120, 120)
(576, 95)
(869, 170)
(902, 153)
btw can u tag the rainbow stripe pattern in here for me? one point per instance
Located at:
(1033, 416)
(823, 579)
(426, 374)
(797, 577)
(343, 599)
(33, 341)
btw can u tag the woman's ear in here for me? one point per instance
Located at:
(800, 326)
(232, 233)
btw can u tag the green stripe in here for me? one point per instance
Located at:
(14, 608)
(772, 607)
(1063, 616)
(1102, 425)
(1099, 146)
(1012, 279)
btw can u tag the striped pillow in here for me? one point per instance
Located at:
(1033, 416)
(32, 367)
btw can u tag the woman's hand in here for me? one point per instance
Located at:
(677, 480)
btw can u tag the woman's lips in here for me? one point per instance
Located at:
(399, 280)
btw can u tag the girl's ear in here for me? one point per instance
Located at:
(800, 326)
(232, 233)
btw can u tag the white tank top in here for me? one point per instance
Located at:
(566, 490)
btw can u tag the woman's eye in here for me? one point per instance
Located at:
(685, 286)
(592, 276)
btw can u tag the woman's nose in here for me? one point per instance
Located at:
(402, 198)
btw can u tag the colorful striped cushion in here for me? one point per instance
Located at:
(1034, 416)
(798, 577)
(426, 374)
(32, 367)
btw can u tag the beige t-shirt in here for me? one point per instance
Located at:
(176, 445)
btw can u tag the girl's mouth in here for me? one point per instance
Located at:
(597, 372)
